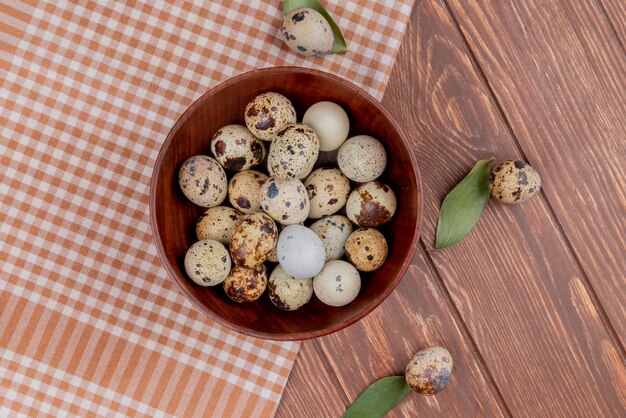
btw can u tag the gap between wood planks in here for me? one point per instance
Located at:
(568, 245)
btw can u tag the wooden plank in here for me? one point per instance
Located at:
(616, 14)
(562, 87)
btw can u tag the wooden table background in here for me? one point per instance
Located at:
(532, 303)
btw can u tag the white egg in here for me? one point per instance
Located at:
(300, 252)
(330, 122)
(337, 284)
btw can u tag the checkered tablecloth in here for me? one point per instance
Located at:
(90, 324)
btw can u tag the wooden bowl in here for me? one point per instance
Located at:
(173, 217)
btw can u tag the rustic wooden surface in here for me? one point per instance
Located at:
(531, 303)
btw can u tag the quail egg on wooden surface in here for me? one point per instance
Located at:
(513, 181)
(293, 152)
(253, 239)
(286, 201)
(236, 149)
(243, 191)
(286, 292)
(371, 204)
(337, 284)
(366, 249)
(203, 181)
(268, 113)
(328, 191)
(330, 122)
(217, 223)
(334, 231)
(429, 371)
(246, 284)
(300, 252)
(362, 158)
(307, 32)
(207, 262)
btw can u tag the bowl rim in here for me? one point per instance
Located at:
(299, 336)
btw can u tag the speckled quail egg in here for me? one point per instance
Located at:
(362, 158)
(300, 252)
(203, 181)
(207, 262)
(253, 239)
(268, 113)
(337, 284)
(235, 148)
(429, 371)
(371, 204)
(513, 181)
(334, 231)
(330, 122)
(273, 256)
(366, 249)
(243, 191)
(293, 152)
(246, 284)
(286, 292)
(328, 191)
(307, 32)
(286, 201)
(217, 223)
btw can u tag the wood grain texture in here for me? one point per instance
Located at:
(567, 109)
(615, 11)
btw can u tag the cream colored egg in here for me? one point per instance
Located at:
(330, 122)
(337, 284)
(217, 223)
(334, 231)
(207, 263)
(328, 191)
(362, 158)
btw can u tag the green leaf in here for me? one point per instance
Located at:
(340, 43)
(463, 206)
(379, 398)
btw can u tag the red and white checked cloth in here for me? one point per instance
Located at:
(90, 324)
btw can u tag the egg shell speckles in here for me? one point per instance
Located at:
(307, 32)
(207, 263)
(217, 223)
(328, 190)
(236, 149)
(286, 201)
(334, 232)
(337, 284)
(513, 181)
(286, 292)
(429, 371)
(362, 158)
(267, 114)
(243, 191)
(253, 239)
(300, 252)
(293, 152)
(371, 204)
(203, 181)
(366, 249)
(246, 284)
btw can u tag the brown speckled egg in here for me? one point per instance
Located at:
(268, 113)
(253, 239)
(236, 149)
(334, 231)
(217, 223)
(328, 191)
(429, 371)
(366, 249)
(203, 181)
(243, 191)
(293, 152)
(286, 292)
(362, 158)
(371, 204)
(513, 181)
(286, 201)
(246, 284)
(207, 262)
(307, 32)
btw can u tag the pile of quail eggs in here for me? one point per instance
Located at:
(265, 221)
